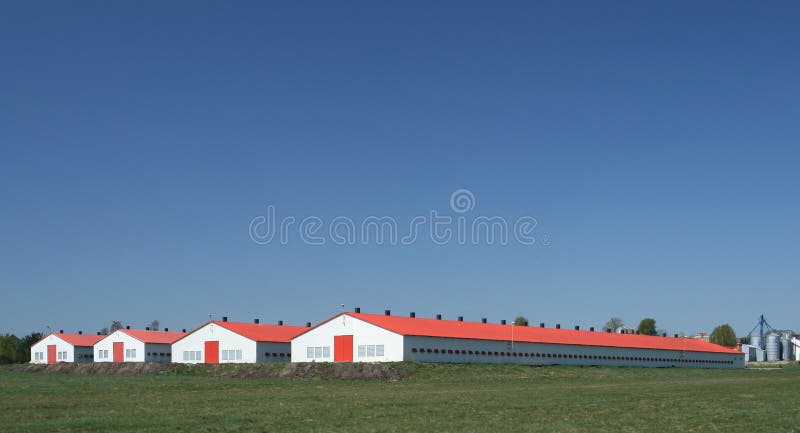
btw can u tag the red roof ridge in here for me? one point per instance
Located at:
(262, 332)
(526, 334)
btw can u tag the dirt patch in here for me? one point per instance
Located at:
(343, 371)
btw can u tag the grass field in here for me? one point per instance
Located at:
(481, 398)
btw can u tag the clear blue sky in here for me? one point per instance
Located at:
(657, 143)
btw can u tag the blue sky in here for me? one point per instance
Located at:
(656, 144)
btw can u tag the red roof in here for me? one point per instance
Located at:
(155, 337)
(528, 334)
(263, 333)
(79, 339)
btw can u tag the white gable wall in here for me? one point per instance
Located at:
(228, 340)
(61, 346)
(363, 334)
(128, 343)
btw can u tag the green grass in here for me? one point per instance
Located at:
(477, 398)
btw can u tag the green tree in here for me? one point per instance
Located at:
(154, 325)
(614, 323)
(647, 327)
(116, 325)
(104, 331)
(9, 349)
(723, 335)
(521, 321)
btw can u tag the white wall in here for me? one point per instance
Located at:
(569, 354)
(228, 340)
(61, 346)
(363, 334)
(128, 343)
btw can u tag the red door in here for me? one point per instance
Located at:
(343, 348)
(51, 353)
(119, 351)
(212, 352)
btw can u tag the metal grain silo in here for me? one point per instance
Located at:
(786, 350)
(755, 340)
(773, 347)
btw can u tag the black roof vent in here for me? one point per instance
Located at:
(146, 328)
(308, 324)
(357, 309)
(412, 314)
(80, 332)
(541, 325)
(591, 329)
(637, 332)
(184, 330)
(483, 320)
(387, 313)
(60, 331)
(503, 322)
(166, 329)
(128, 327)
(608, 330)
(460, 318)
(280, 322)
(224, 318)
(577, 328)
(98, 332)
(676, 335)
(558, 326)
(256, 321)
(438, 317)
(664, 334)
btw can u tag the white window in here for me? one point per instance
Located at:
(362, 351)
(370, 350)
(318, 352)
(379, 350)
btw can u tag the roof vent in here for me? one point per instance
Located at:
(676, 335)
(98, 332)
(166, 329)
(460, 318)
(591, 329)
(503, 322)
(184, 330)
(308, 324)
(280, 322)
(608, 330)
(128, 327)
(412, 314)
(577, 328)
(558, 326)
(483, 320)
(256, 321)
(224, 318)
(438, 317)
(60, 331)
(637, 332)
(664, 334)
(80, 332)
(146, 328)
(357, 309)
(387, 313)
(541, 325)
